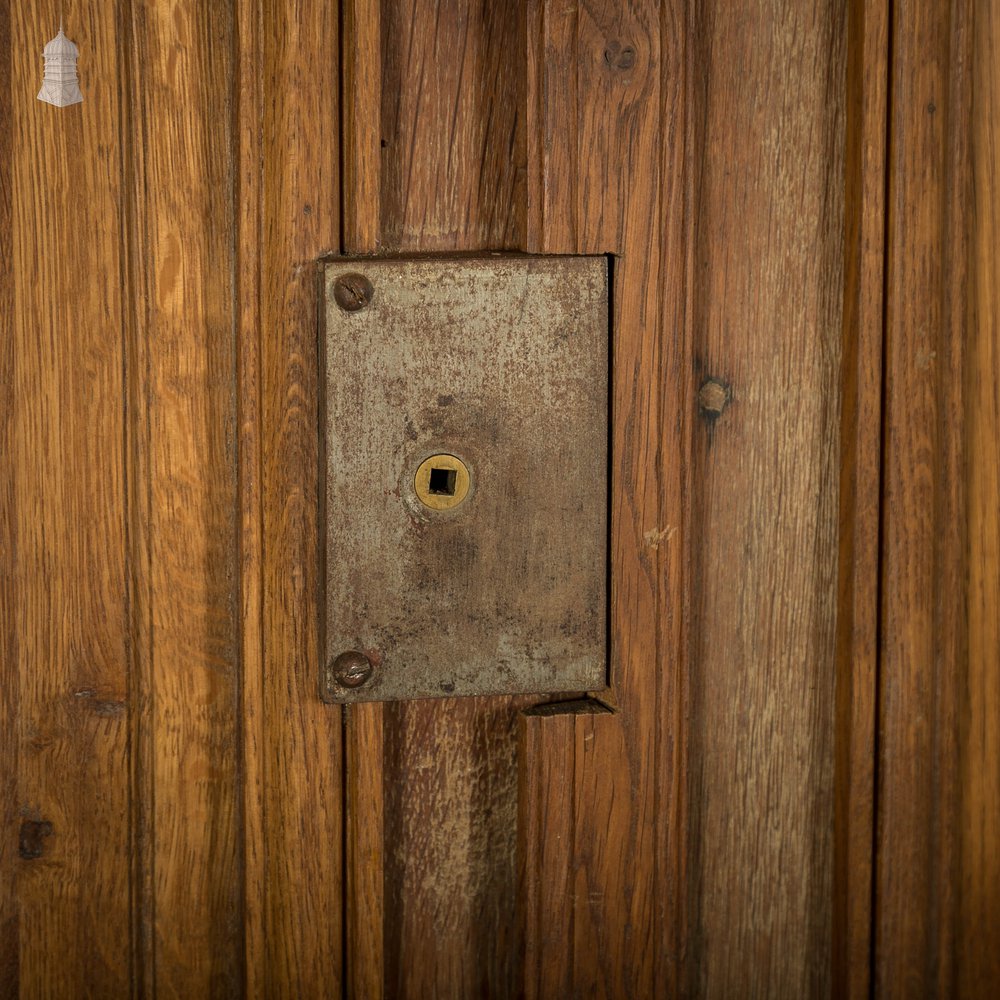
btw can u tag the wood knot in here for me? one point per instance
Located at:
(109, 708)
(33, 832)
(619, 56)
(713, 397)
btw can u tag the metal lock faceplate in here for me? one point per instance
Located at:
(465, 450)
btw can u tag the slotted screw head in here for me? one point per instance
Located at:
(352, 292)
(352, 669)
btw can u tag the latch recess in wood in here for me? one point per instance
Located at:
(465, 430)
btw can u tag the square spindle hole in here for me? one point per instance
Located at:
(442, 482)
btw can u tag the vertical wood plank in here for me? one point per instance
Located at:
(9, 636)
(450, 837)
(64, 574)
(552, 135)
(979, 919)
(365, 882)
(452, 119)
(572, 868)
(767, 300)
(673, 543)
(137, 518)
(546, 841)
(300, 749)
(248, 118)
(743, 848)
(361, 53)
(617, 191)
(923, 611)
(185, 485)
(860, 492)
(607, 86)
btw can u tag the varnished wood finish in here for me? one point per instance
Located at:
(10, 641)
(979, 920)
(766, 314)
(450, 835)
(860, 492)
(452, 121)
(762, 487)
(181, 815)
(248, 120)
(596, 135)
(298, 822)
(923, 610)
(361, 125)
(150, 530)
(546, 845)
(556, 894)
(65, 896)
(183, 481)
(365, 860)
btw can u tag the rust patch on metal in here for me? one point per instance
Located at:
(503, 361)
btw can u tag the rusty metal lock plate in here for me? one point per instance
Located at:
(465, 431)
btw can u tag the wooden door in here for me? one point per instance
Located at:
(791, 787)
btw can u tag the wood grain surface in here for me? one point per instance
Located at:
(249, 224)
(10, 638)
(923, 637)
(361, 120)
(451, 126)
(556, 894)
(599, 181)
(65, 896)
(758, 369)
(791, 787)
(183, 483)
(600, 66)
(978, 928)
(297, 821)
(860, 492)
(364, 884)
(766, 313)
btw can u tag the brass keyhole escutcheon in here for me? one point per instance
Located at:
(441, 482)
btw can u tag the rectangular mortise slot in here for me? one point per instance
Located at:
(442, 482)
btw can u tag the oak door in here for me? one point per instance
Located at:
(790, 787)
